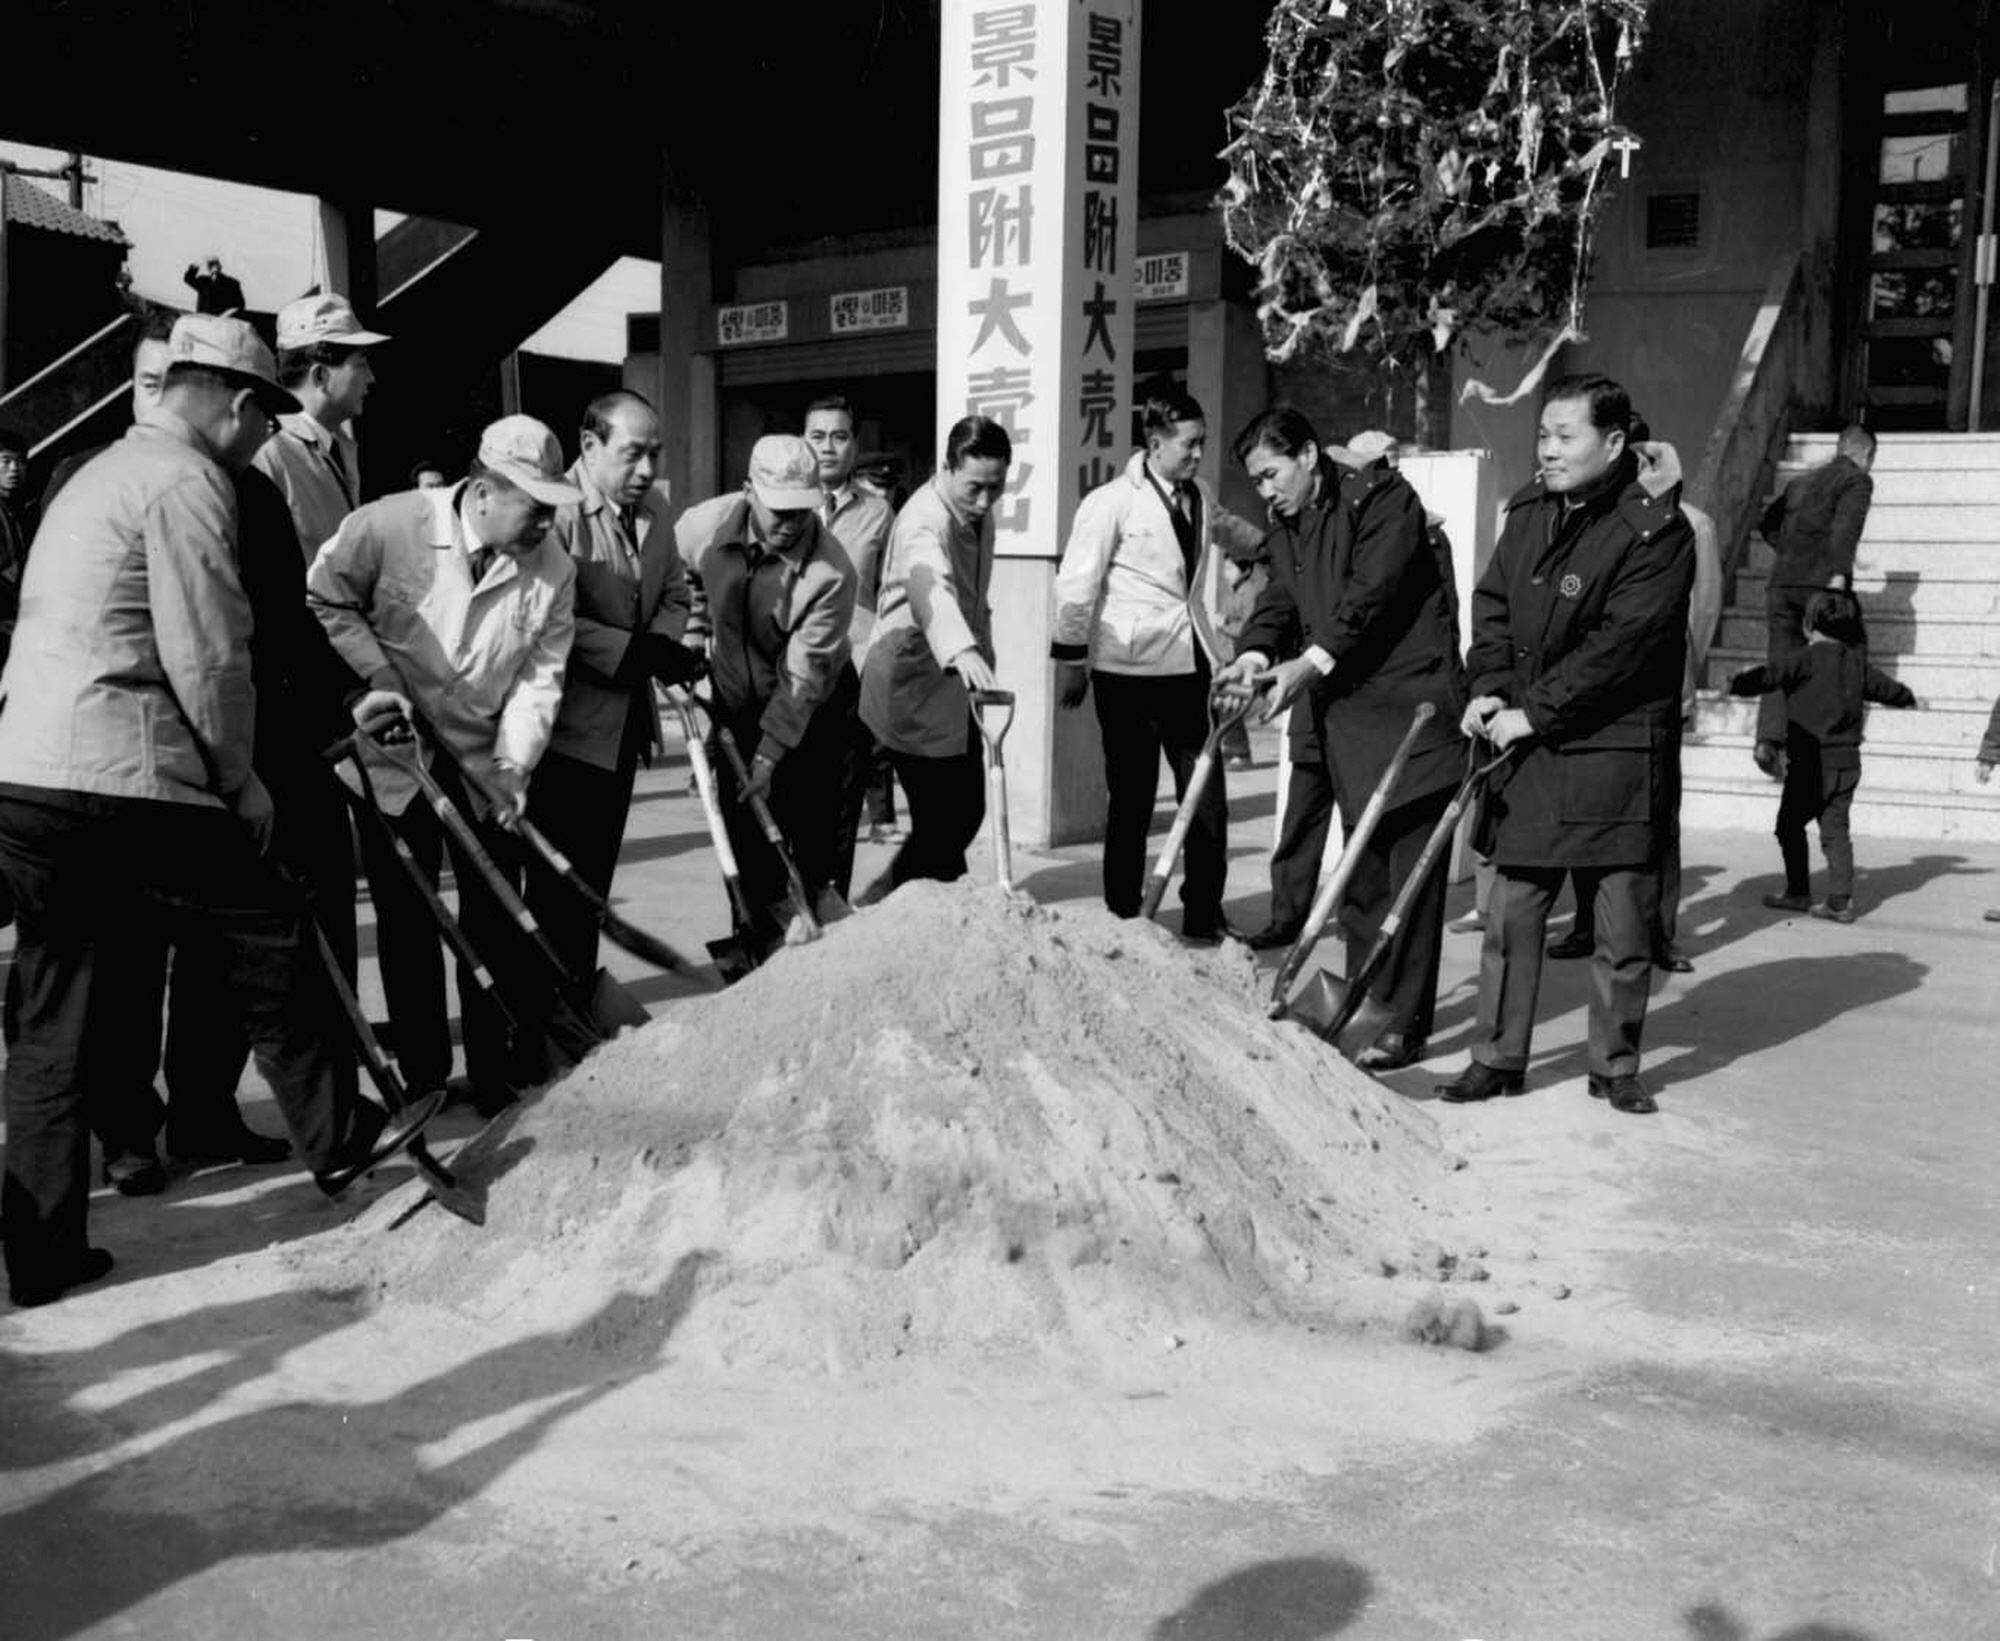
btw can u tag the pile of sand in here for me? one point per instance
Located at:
(959, 1126)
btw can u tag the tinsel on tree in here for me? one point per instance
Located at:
(1408, 171)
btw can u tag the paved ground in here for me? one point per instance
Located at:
(1814, 1214)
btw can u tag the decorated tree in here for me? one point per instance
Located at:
(1408, 172)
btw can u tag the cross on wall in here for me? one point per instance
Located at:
(1625, 147)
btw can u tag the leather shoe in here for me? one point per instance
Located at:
(1672, 960)
(1271, 937)
(1789, 903)
(1391, 1052)
(1480, 1082)
(1209, 934)
(1624, 1091)
(89, 1266)
(1577, 943)
(135, 1174)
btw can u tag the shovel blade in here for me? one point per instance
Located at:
(613, 1008)
(1320, 1005)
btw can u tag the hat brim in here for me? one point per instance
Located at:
(272, 399)
(343, 339)
(550, 492)
(786, 499)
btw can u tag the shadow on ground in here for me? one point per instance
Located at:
(1300, 1598)
(310, 1475)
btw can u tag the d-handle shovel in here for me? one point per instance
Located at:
(734, 957)
(993, 739)
(1228, 706)
(1329, 1006)
(1333, 888)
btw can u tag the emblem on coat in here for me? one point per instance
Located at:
(1570, 585)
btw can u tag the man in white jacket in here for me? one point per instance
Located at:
(1136, 602)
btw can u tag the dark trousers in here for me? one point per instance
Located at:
(1406, 989)
(1667, 830)
(87, 876)
(1301, 843)
(1141, 719)
(581, 808)
(811, 792)
(207, 1045)
(1785, 630)
(1815, 793)
(410, 951)
(947, 798)
(1510, 963)
(869, 784)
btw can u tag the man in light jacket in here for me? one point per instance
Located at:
(323, 360)
(129, 811)
(933, 642)
(632, 606)
(457, 599)
(1137, 599)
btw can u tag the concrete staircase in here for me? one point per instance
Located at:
(1928, 576)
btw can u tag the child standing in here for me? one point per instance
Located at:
(1826, 683)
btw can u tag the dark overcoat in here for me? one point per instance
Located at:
(1360, 573)
(1583, 624)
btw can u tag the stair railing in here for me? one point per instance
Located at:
(1741, 457)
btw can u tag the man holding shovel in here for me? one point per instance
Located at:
(461, 601)
(777, 596)
(1361, 607)
(1136, 604)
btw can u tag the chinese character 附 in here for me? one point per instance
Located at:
(998, 226)
(1100, 231)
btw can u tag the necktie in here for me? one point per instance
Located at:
(481, 558)
(339, 466)
(628, 519)
(827, 509)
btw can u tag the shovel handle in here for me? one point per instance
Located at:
(768, 823)
(1227, 708)
(711, 803)
(1333, 889)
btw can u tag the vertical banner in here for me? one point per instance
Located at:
(1037, 242)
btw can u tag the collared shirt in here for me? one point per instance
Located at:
(483, 663)
(629, 581)
(861, 522)
(315, 469)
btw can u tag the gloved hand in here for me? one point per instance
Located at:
(384, 715)
(671, 662)
(509, 787)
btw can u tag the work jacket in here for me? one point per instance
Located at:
(627, 583)
(861, 522)
(1581, 621)
(130, 670)
(932, 606)
(1361, 577)
(314, 470)
(777, 622)
(1125, 601)
(484, 664)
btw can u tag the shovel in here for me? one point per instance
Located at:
(733, 957)
(1228, 706)
(996, 777)
(569, 1035)
(408, 1117)
(611, 1008)
(1334, 888)
(802, 906)
(1328, 1006)
(629, 935)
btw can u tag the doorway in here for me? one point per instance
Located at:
(1925, 355)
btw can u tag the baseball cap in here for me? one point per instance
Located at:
(232, 349)
(328, 317)
(524, 452)
(784, 473)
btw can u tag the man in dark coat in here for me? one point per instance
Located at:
(1815, 527)
(1579, 631)
(1361, 607)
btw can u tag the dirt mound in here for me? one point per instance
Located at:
(960, 1125)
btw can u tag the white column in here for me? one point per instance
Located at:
(1037, 235)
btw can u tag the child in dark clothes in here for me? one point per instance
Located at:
(1826, 682)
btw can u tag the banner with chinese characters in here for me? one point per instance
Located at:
(1037, 240)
